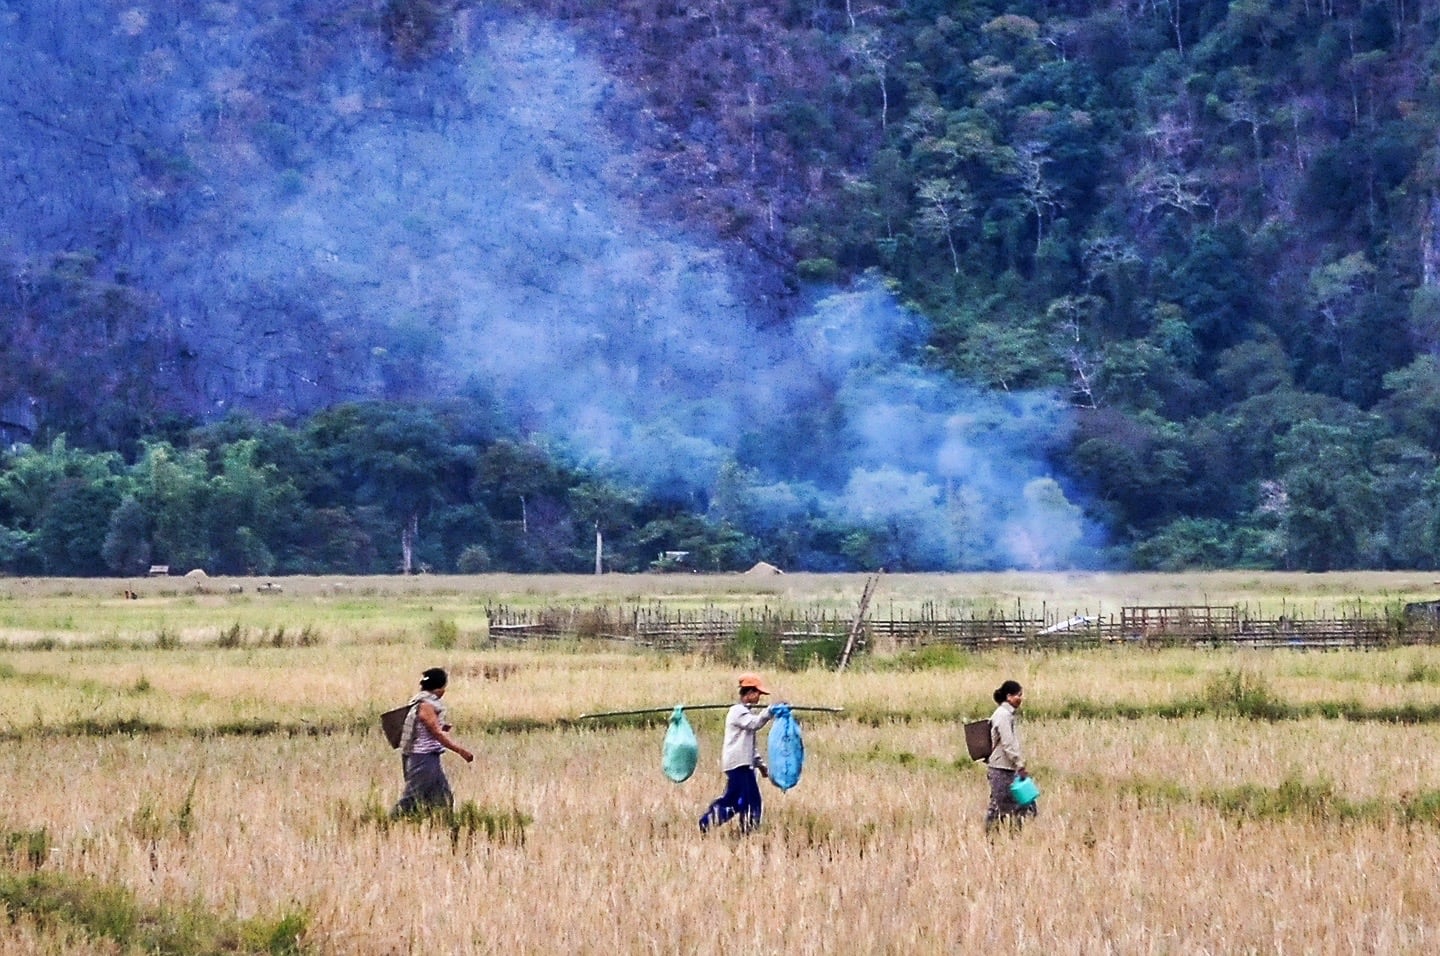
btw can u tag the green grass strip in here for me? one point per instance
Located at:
(466, 823)
(1289, 799)
(111, 912)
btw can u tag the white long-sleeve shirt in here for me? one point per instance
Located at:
(739, 749)
(1005, 739)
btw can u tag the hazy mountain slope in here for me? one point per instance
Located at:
(1208, 230)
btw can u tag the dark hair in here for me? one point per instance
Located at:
(1006, 689)
(433, 679)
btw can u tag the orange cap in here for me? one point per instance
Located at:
(753, 682)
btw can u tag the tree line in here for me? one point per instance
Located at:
(385, 488)
(367, 488)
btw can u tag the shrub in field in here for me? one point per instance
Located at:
(751, 645)
(473, 560)
(150, 823)
(1292, 798)
(934, 657)
(281, 636)
(1421, 672)
(232, 636)
(30, 846)
(1423, 807)
(1244, 695)
(145, 822)
(444, 634)
(818, 652)
(279, 936)
(591, 624)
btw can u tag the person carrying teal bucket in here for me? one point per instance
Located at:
(740, 759)
(1006, 764)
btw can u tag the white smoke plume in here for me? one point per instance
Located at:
(473, 224)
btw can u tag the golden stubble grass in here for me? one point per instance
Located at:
(880, 848)
(334, 684)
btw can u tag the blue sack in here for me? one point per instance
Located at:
(681, 751)
(786, 748)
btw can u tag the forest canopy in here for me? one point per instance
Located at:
(326, 286)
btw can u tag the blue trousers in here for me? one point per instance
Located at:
(741, 797)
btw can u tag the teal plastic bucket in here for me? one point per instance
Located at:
(1024, 791)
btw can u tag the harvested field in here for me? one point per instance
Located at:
(232, 795)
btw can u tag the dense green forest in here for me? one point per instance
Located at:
(357, 489)
(303, 286)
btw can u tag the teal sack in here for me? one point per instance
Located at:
(681, 750)
(1024, 791)
(786, 748)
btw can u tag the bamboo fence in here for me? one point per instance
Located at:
(796, 632)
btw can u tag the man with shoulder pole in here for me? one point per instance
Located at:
(740, 759)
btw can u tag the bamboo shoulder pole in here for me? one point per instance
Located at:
(666, 710)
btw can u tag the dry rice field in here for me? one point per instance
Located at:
(185, 773)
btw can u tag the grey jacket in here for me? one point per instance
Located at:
(1005, 751)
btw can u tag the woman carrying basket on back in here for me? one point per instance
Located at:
(1006, 763)
(425, 737)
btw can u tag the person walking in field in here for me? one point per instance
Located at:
(425, 737)
(1007, 761)
(740, 759)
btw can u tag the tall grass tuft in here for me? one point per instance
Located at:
(279, 936)
(32, 847)
(465, 823)
(1421, 672)
(822, 652)
(945, 657)
(444, 634)
(1423, 807)
(150, 823)
(496, 825)
(232, 636)
(752, 646)
(185, 816)
(1244, 694)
